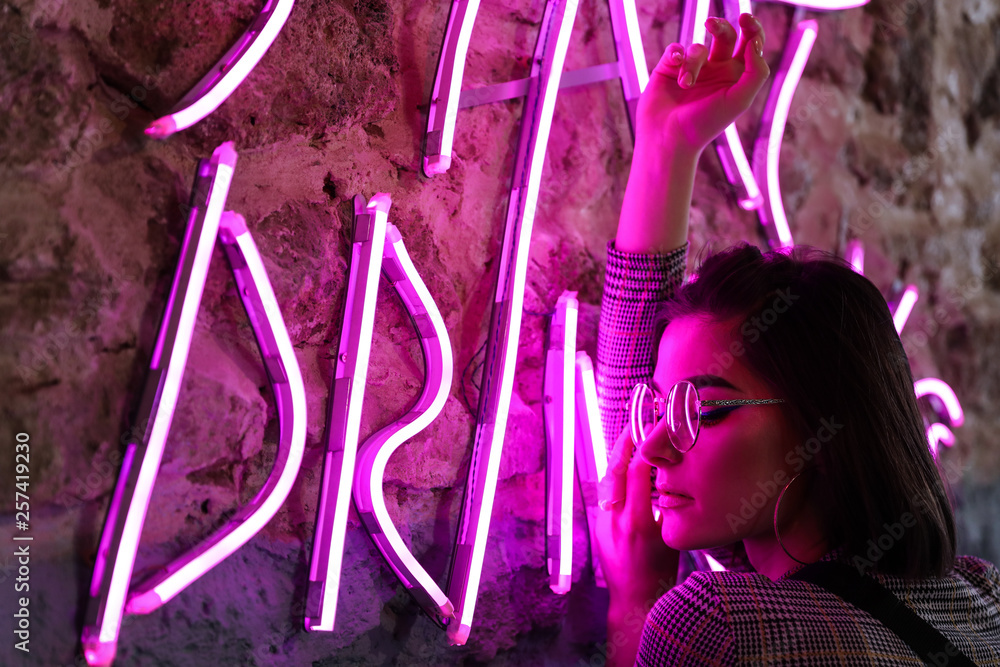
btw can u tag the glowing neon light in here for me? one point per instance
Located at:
(591, 451)
(823, 5)
(227, 74)
(448, 87)
(714, 564)
(560, 431)
(375, 452)
(779, 100)
(109, 586)
(344, 418)
(632, 66)
(856, 256)
(285, 377)
(938, 434)
(505, 324)
(903, 309)
(693, 22)
(940, 390)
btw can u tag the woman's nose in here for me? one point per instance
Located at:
(657, 449)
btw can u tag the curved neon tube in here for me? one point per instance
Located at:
(560, 431)
(107, 607)
(501, 353)
(786, 80)
(938, 434)
(375, 452)
(941, 389)
(447, 90)
(344, 418)
(227, 74)
(285, 377)
(907, 300)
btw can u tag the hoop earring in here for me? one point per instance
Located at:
(777, 506)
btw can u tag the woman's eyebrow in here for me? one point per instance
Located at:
(711, 381)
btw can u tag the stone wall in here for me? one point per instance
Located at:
(892, 139)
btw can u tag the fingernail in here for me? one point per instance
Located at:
(686, 80)
(712, 24)
(758, 47)
(676, 57)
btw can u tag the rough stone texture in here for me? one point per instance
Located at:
(892, 139)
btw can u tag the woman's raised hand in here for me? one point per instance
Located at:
(693, 95)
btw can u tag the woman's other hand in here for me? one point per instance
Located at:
(694, 94)
(638, 566)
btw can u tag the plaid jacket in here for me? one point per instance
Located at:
(730, 618)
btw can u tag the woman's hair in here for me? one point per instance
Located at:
(823, 337)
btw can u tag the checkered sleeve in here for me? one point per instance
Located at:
(635, 286)
(688, 626)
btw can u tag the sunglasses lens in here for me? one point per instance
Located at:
(682, 415)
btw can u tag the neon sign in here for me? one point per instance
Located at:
(111, 595)
(575, 439)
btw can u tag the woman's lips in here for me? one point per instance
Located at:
(670, 500)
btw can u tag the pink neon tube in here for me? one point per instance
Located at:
(632, 66)
(938, 434)
(823, 5)
(375, 452)
(693, 22)
(282, 368)
(344, 418)
(505, 326)
(786, 80)
(560, 431)
(101, 629)
(447, 89)
(941, 390)
(591, 452)
(227, 74)
(856, 256)
(907, 300)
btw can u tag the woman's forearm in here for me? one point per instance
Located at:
(657, 203)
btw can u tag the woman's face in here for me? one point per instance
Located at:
(725, 487)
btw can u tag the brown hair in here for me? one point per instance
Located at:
(834, 351)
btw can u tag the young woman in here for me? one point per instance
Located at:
(775, 416)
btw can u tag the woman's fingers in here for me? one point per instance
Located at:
(612, 488)
(671, 60)
(755, 73)
(637, 497)
(695, 58)
(723, 39)
(750, 28)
